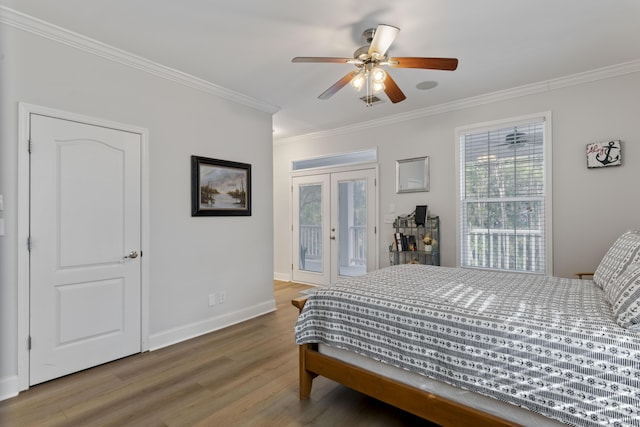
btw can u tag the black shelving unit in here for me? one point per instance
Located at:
(413, 249)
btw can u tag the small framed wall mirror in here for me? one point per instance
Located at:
(412, 175)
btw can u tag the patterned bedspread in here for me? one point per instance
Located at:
(546, 344)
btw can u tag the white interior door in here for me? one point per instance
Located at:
(334, 226)
(85, 267)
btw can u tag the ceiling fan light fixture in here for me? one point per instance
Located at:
(378, 75)
(377, 86)
(358, 81)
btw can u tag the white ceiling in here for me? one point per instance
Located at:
(247, 45)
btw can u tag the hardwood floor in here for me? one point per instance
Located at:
(244, 375)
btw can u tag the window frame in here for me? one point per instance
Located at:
(544, 117)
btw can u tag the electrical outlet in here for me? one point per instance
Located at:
(212, 300)
(222, 296)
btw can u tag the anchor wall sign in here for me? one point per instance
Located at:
(601, 154)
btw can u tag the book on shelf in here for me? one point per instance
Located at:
(404, 242)
(398, 239)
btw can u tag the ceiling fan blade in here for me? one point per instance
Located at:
(382, 39)
(320, 59)
(392, 90)
(447, 64)
(338, 85)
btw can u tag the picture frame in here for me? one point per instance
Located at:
(604, 154)
(412, 175)
(220, 187)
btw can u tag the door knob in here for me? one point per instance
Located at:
(132, 255)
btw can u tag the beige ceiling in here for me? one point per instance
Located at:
(247, 45)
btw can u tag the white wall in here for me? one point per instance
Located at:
(591, 207)
(189, 257)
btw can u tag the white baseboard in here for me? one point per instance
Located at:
(8, 387)
(183, 333)
(285, 277)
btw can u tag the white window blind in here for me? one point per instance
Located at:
(503, 198)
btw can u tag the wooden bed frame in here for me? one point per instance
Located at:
(418, 402)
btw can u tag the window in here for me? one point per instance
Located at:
(505, 195)
(364, 156)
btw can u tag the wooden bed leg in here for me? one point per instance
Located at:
(306, 377)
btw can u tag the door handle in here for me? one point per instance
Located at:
(132, 255)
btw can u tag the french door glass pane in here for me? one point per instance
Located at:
(310, 214)
(352, 227)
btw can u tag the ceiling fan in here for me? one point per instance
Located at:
(370, 58)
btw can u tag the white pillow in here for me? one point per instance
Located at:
(624, 251)
(624, 296)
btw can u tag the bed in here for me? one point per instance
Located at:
(473, 347)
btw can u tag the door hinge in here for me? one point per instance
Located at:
(291, 266)
(29, 343)
(29, 243)
(29, 146)
(375, 229)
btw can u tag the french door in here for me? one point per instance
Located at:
(334, 226)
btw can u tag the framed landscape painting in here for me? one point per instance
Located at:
(220, 187)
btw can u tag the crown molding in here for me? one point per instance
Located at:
(502, 95)
(61, 35)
